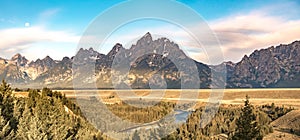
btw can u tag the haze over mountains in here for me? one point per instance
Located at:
(271, 67)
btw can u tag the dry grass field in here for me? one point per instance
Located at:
(289, 97)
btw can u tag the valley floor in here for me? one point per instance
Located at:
(289, 97)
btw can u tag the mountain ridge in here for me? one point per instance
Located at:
(271, 67)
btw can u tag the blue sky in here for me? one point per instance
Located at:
(40, 28)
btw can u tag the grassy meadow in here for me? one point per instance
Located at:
(279, 96)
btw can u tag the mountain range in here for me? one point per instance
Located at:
(266, 68)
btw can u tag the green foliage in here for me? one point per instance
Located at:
(6, 100)
(263, 121)
(275, 112)
(48, 119)
(17, 90)
(46, 92)
(141, 115)
(228, 121)
(42, 116)
(8, 123)
(246, 124)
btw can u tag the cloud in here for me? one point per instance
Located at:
(49, 13)
(14, 40)
(8, 20)
(241, 34)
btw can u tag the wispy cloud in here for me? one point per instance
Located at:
(37, 40)
(241, 34)
(8, 20)
(15, 40)
(238, 34)
(46, 15)
(49, 12)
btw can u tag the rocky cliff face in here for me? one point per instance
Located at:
(272, 67)
(154, 63)
(19, 60)
(145, 59)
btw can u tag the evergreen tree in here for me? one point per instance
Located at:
(6, 101)
(8, 123)
(5, 129)
(246, 124)
(30, 127)
(44, 117)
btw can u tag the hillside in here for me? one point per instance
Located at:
(289, 122)
(286, 127)
(272, 67)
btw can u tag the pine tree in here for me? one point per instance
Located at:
(30, 127)
(6, 101)
(4, 127)
(8, 122)
(246, 124)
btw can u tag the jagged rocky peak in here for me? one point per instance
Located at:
(296, 43)
(45, 62)
(93, 52)
(162, 46)
(115, 49)
(147, 36)
(145, 40)
(36, 62)
(91, 49)
(86, 52)
(83, 51)
(66, 59)
(80, 50)
(16, 56)
(48, 59)
(86, 56)
(19, 59)
(166, 43)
